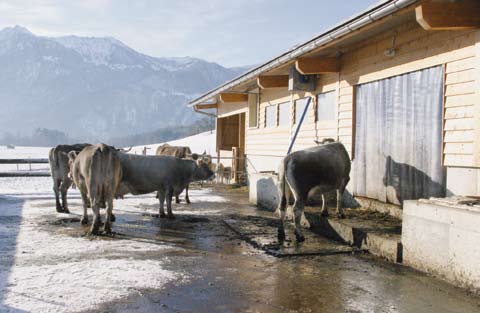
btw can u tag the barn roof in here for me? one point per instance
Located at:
(334, 33)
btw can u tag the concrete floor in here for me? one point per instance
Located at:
(209, 268)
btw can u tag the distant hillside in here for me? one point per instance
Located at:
(43, 137)
(96, 88)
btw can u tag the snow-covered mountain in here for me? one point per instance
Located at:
(93, 87)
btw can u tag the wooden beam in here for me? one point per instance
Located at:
(276, 81)
(449, 15)
(309, 66)
(206, 106)
(233, 97)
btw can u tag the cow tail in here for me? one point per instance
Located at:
(55, 157)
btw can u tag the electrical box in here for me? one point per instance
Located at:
(299, 82)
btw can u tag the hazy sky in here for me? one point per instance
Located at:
(228, 32)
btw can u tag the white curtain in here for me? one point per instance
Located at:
(398, 138)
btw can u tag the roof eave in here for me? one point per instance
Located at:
(362, 19)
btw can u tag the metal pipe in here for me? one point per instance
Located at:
(299, 125)
(363, 19)
(205, 113)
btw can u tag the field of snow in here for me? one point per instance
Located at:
(24, 153)
(197, 143)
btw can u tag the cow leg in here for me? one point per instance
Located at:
(281, 225)
(324, 207)
(298, 207)
(56, 190)
(63, 189)
(86, 204)
(177, 197)
(161, 199)
(187, 199)
(169, 195)
(94, 230)
(107, 227)
(340, 212)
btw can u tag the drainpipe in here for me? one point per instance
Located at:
(204, 113)
(299, 125)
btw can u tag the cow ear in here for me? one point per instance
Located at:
(194, 156)
(72, 155)
(204, 152)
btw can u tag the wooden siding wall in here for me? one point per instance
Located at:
(458, 51)
(270, 140)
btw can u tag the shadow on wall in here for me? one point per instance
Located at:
(10, 220)
(406, 182)
(268, 198)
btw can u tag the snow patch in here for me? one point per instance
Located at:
(199, 143)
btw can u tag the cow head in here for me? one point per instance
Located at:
(203, 170)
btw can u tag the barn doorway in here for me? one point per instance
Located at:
(231, 145)
(398, 137)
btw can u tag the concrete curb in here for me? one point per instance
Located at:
(375, 235)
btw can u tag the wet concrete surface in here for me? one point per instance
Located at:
(222, 272)
(230, 275)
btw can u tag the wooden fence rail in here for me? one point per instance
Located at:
(29, 173)
(23, 161)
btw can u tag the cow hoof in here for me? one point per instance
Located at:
(66, 210)
(341, 215)
(112, 218)
(59, 210)
(162, 215)
(84, 221)
(304, 222)
(93, 232)
(171, 216)
(187, 200)
(107, 229)
(177, 201)
(277, 213)
(281, 236)
(325, 213)
(300, 237)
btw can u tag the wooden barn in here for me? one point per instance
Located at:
(398, 85)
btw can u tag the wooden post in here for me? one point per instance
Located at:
(235, 163)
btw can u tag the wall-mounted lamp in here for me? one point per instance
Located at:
(390, 52)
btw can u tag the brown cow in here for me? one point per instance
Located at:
(97, 173)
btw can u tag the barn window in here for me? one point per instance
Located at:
(300, 105)
(270, 113)
(253, 110)
(284, 114)
(326, 106)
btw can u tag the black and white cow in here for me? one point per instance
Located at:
(323, 168)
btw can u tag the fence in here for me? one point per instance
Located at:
(25, 173)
